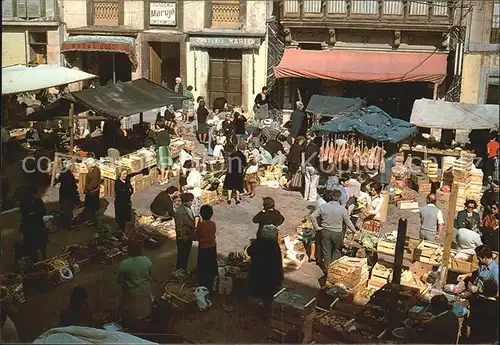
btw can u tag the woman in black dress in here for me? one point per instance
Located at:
(294, 159)
(265, 274)
(202, 115)
(268, 216)
(35, 233)
(235, 177)
(239, 127)
(123, 201)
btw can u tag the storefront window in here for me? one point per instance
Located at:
(493, 92)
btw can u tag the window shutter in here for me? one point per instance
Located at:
(21, 9)
(7, 10)
(34, 8)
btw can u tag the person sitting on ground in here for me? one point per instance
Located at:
(443, 329)
(268, 216)
(134, 278)
(256, 138)
(431, 220)
(206, 269)
(78, 312)
(482, 322)
(467, 239)
(274, 146)
(468, 218)
(162, 206)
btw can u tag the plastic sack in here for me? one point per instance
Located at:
(202, 298)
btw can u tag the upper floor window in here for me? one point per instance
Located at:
(226, 14)
(23, 9)
(106, 12)
(495, 24)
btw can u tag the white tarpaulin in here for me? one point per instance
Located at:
(450, 115)
(16, 79)
(87, 335)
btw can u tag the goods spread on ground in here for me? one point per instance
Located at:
(154, 230)
(293, 251)
(108, 244)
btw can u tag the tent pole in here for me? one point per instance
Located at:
(71, 116)
(141, 118)
(448, 237)
(114, 69)
(435, 96)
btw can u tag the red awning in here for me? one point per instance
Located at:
(347, 65)
(116, 44)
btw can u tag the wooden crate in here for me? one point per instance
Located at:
(291, 307)
(424, 252)
(385, 247)
(410, 245)
(460, 266)
(329, 332)
(284, 326)
(109, 187)
(363, 334)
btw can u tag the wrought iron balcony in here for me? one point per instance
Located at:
(435, 11)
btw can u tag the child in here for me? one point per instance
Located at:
(193, 184)
(220, 142)
(251, 177)
(207, 249)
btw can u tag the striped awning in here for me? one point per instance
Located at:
(116, 44)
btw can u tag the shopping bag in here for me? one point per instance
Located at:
(297, 181)
(202, 298)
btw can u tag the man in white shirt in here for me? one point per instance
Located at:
(467, 241)
(431, 220)
(376, 202)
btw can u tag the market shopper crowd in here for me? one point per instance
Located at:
(341, 203)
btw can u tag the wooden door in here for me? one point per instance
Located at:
(225, 77)
(155, 62)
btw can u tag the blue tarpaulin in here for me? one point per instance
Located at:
(372, 122)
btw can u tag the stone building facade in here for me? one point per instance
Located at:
(217, 46)
(481, 67)
(31, 32)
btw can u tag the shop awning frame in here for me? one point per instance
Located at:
(18, 79)
(363, 66)
(113, 44)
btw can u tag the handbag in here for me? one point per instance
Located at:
(297, 181)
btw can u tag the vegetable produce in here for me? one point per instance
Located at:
(336, 322)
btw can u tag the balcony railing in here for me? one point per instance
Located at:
(226, 14)
(404, 10)
(106, 13)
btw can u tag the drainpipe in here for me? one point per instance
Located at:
(195, 70)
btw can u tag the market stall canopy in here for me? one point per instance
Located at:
(330, 106)
(112, 101)
(372, 122)
(87, 335)
(347, 65)
(17, 79)
(55, 110)
(450, 115)
(113, 44)
(124, 99)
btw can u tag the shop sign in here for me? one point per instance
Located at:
(163, 13)
(225, 42)
(95, 46)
